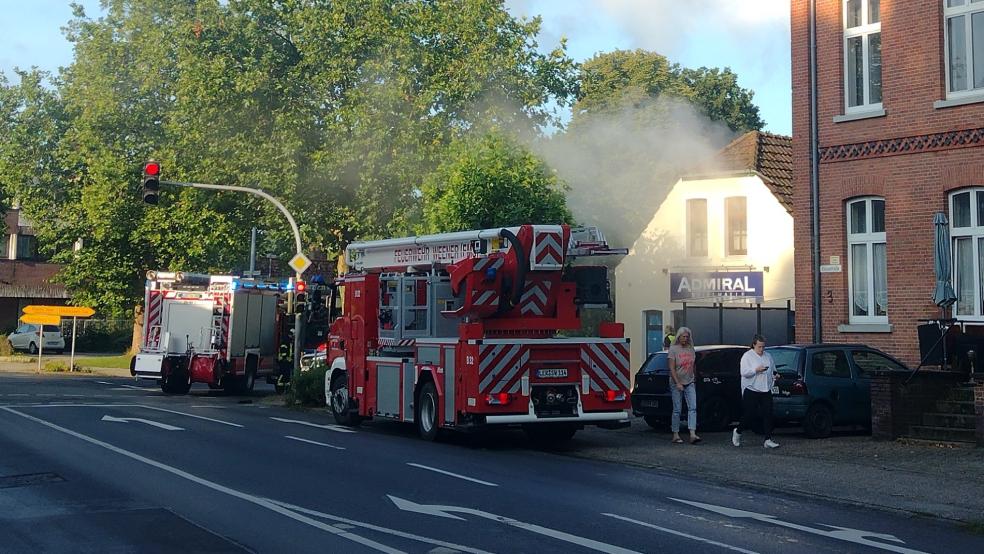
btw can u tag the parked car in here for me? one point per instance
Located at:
(718, 387)
(27, 337)
(823, 385)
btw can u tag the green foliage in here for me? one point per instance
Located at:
(58, 366)
(489, 182)
(339, 109)
(614, 81)
(310, 387)
(115, 362)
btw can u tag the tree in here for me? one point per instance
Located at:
(340, 109)
(492, 181)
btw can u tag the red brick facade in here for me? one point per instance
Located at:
(911, 157)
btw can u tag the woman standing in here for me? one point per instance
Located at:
(681, 358)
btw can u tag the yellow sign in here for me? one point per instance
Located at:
(41, 319)
(299, 263)
(63, 311)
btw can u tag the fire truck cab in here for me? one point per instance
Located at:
(461, 331)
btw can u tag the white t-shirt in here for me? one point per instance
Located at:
(752, 380)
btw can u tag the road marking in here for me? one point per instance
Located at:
(393, 532)
(164, 426)
(104, 383)
(315, 442)
(259, 501)
(445, 511)
(135, 387)
(856, 536)
(679, 534)
(131, 389)
(189, 415)
(434, 469)
(211, 407)
(338, 428)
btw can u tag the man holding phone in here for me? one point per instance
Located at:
(757, 378)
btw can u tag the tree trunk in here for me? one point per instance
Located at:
(137, 330)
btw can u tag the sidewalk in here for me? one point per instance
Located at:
(28, 367)
(929, 479)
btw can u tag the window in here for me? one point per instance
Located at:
(697, 227)
(5, 247)
(967, 232)
(832, 363)
(736, 233)
(654, 330)
(862, 56)
(869, 362)
(27, 247)
(867, 264)
(964, 46)
(657, 364)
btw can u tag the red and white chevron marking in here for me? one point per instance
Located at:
(155, 305)
(607, 366)
(548, 250)
(488, 263)
(224, 300)
(534, 299)
(501, 367)
(485, 298)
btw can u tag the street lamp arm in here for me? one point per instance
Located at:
(257, 192)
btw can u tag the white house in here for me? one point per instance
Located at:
(723, 239)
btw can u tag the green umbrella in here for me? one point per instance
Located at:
(943, 294)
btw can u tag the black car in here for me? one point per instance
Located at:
(823, 385)
(718, 387)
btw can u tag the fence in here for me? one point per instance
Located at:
(99, 335)
(735, 325)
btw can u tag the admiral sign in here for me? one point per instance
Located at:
(715, 285)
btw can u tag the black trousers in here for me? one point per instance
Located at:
(754, 405)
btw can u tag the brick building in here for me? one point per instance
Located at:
(25, 277)
(900, 110)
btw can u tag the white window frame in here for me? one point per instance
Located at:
(869, 239)
(864, 31)
(689, 235)
(968, 9)
(729, 251)
(976, 233)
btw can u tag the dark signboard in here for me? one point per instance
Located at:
(715, 285)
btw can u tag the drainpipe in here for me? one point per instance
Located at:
(815, 179)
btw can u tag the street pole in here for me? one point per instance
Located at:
(298, 318)
(71, 359)
(252, 252)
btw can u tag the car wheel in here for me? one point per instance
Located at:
(427, 422)
(338, 401)
(818, 422)
(655, 422)
(714, 413)
(32, 349)
(550, 433)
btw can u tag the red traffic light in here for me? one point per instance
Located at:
(301, 286)
(152, 169)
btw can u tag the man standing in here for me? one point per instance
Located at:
(757, 377)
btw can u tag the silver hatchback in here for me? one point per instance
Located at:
(29, 337)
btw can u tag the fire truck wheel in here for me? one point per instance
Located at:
(249, 380)
(426, 416)
(339, 401)
(550, 433)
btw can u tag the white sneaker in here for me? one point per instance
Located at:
(736, 437)
(769, 443)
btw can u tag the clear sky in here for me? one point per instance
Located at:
(749, 36)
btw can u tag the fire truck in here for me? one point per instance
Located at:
(461, 331)
(215, 329)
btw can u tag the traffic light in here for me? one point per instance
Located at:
(300, 296)
(151, 182)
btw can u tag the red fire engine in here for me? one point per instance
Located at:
(460, 330)
(213, 329)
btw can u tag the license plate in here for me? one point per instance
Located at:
(650, 403)
(551, 373)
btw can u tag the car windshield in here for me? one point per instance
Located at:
(785, 358)
(656, 363)
(51, 329)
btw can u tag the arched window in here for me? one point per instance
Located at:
(967, 232)
(866, 260)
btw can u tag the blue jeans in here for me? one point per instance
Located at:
(690, 391)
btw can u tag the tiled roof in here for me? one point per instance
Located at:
(771, 156)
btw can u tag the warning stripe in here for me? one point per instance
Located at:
(485, 298)
(511, 359)
(488, 263)
(548, 252)
(604, 363)
(534, 300)
(155, 304)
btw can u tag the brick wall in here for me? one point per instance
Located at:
(913, 185)
(895, 405)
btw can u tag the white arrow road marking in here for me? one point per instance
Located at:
(443, 511)
(315, 442)
(393, 532)
(679, 534)
(262, 502)
(230, 424)
(434, 469)
(164, 426)
(338, 428)
(857, 536)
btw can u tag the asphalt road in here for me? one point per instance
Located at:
(214, 473)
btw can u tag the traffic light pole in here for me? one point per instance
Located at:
(299, 317)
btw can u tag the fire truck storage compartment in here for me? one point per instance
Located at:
(410, 307)
(440, 354)
(188, 324)
(249, 331)
(394, 387)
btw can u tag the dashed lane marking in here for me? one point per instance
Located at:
(315, 442)
(456, 475)
(262, 502)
